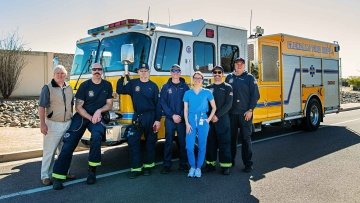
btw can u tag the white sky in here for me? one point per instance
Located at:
(54, 26)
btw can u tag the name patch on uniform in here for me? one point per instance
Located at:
(137, 89)
(169, 91)
(91, 93)
(231, 80)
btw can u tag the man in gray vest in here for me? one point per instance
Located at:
(55, 112)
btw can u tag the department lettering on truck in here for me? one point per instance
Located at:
(277, 61)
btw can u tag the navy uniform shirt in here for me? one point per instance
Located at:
(144, 95)
(246, 92)
(223, 95)
(94, 95)
(171, 96)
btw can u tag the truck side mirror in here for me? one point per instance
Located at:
(127, 53)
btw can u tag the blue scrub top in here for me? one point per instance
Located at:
(198, 103)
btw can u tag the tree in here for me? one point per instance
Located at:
(12, 61)
(355, 82)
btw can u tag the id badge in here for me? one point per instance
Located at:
(201, 121)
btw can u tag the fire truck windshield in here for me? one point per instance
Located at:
(84, 55)
(110, 51)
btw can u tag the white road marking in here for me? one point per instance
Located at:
(45, 188)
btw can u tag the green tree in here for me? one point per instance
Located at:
(12, 61)
(355, 82)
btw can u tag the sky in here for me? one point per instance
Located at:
(54, 26)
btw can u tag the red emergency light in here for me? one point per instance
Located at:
(122, 23)
(210, 33)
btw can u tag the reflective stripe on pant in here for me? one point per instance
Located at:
(52, 144)
(219, 137)
(71, 140)
(170, 128)
(238, 121)
(146, 121)
(202, 132)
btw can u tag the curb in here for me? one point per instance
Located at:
(349, 109)
(29, 154)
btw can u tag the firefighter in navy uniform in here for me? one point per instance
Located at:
(246, 95)
(146, 120)
(93, 98)
(219, 135)
(171, 96)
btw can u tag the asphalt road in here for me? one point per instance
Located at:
(290, 166)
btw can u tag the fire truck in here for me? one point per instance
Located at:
(298, 78)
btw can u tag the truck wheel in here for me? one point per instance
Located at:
(313, 115)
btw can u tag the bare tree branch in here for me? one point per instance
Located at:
(12, 62)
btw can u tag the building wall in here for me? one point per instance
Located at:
(37, 72)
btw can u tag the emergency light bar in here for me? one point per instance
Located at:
(123, 23)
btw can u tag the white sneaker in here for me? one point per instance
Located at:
(191, 172)
(197, 173)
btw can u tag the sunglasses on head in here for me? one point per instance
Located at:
(175, 70)
(217, 72)
(96, 69)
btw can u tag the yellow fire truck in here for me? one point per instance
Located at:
(298, 78)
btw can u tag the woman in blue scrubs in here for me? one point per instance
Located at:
(196, 106)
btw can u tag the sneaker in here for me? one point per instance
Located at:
(134, 174)
(147, 172)
(248, 169)
(191, 173)
(165, 170)
(226, 171)
(197, 173)
(46, 181)
(57, 184)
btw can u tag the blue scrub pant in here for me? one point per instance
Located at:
(145, 122)
(170, 128)
(71, 139)
(199, 130)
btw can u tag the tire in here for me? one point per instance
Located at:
(313, 115)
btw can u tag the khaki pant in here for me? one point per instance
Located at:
(52, 143)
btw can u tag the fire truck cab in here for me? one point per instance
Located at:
(122, 46)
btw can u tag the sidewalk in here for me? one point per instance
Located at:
(26, 143)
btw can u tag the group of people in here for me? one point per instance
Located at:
(205, 119)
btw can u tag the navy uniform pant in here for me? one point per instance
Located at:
(170, 128)
(71, 139)
(144, 126)
(219, 138)
(238, 121)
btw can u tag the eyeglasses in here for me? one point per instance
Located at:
(196, 78)
(217, 72)
(175, 70)
(96, 69)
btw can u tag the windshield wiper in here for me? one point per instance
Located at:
(87, 64)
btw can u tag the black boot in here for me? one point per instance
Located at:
(57, 184)
(91, 179)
